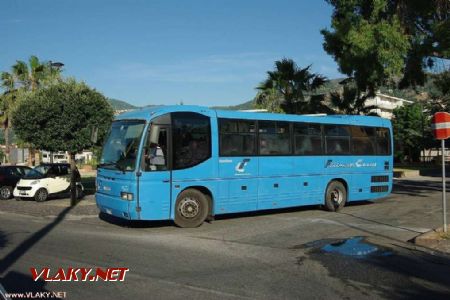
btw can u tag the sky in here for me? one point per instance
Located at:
(200, 52)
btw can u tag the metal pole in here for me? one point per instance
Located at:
(444, 200)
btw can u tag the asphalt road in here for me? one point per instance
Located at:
(303, 253)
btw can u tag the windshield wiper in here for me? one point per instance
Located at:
(114, 164)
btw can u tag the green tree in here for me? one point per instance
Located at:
(62, 117)
(290, 89)
(367, 42)
(412, 132)
(388, 41)
(440, 97)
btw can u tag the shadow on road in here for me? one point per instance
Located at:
(267, 212)
(402, 274)
(3, 239)
(15, 282)
(417, 188)
(19, 281)
(435, 172)
(133, 224)
(150, 224)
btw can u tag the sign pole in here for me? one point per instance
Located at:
(444, 200)
(441, 131)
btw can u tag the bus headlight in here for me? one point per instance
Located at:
(126, 196)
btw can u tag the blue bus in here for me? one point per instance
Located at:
(190, 163)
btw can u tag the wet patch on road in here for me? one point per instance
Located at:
(360, 264)
(356, 247)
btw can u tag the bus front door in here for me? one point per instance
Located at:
(154, 180)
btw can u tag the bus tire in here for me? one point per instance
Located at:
(191, 209)
(335, 196)
(210, 216)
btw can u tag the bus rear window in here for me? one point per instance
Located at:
(383, 141)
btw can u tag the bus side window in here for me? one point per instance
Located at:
(308, 139)
(337, 139)
(363, 140)
(274, 138)
(191, 139)
(237, 137)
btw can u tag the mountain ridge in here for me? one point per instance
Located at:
(412, 94)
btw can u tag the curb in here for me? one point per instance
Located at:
(432, 239)
(408, 173)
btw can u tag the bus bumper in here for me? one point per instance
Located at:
(115, 206)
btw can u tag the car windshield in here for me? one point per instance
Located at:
(121, 147)
(37, 173)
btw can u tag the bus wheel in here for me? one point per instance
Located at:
(191, 209)
(335, 196)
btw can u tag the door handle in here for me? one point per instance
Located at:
(166, 180)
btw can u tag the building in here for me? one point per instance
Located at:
(386, 104)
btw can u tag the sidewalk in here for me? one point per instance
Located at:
(50, 208)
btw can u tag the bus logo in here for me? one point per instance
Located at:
(240, 167)
(358, 164)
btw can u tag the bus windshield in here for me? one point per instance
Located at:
(121, 147)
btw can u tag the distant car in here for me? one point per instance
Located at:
(45, 180)
(9, 176)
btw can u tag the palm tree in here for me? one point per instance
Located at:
(7, 100)
(351, 101)
(292, 89)
(23, 78)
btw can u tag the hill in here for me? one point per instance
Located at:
(120, 104)
(242, 106)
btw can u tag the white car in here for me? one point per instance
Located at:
(45, 180)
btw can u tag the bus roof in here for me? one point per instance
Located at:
(148, 113)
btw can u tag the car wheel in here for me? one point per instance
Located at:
(41, 195)
(335, 196)
(5, 192)
(191, 209)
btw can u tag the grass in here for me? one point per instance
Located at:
(444, 235)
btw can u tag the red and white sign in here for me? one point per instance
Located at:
(441, 125)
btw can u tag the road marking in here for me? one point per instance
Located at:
(3, 292)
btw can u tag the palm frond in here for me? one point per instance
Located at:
(34, 63)
(7, 81)
(318, 81)
(20, 71)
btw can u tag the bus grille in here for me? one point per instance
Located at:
(384, 178)
(379, 189)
